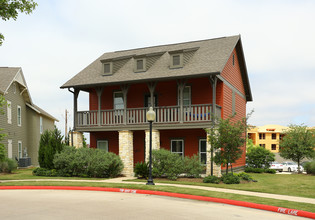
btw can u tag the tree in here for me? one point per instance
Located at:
(297, 144)
(228, 137)
(2, 135)
(11, 8)
(50, 144)
(258, 157)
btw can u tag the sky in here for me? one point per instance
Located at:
(61, 37)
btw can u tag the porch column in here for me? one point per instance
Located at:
(77, 138)
(151, 87)
(126, 151)
(213, 80)
(181, 85)
(75, 108)
(155, 142)
(124, 89)
(216, 168)
(99, 92)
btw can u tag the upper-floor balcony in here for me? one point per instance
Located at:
(174, 117)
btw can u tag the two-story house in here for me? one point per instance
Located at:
(23, 122)
(186, 83)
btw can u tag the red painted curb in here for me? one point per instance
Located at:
(287, 211)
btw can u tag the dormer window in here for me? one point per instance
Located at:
(176, 60)
(140, 65)
(108, 68)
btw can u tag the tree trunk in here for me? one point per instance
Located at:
(227, 168)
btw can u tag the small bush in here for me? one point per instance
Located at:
(230, 179)
(254, 170)
(166, 164)
(142, 170)
(270, 171)
(8, 165)
(245, 176)
(310, 167)
(192, 166)
(211, 179)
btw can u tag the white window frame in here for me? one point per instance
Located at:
(41, 124)
(136, 65)
(10, 155)
(182, 153)
(172, 65)
(9, 112)
(20, 149)
(202, 152)
(110, 68)
(19, 116)
(189, 99)
(102, 141)
(118, 92)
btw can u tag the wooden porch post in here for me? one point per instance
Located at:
(213, 80)
(124, 89)
(75, 108)
(151, 87)
(99, 92)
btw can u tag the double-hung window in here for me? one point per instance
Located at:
(118, 100)
(177, 147)
(20, 149)
(140, 65)
(186, 96)
(19, 115)
(203, 151)
(176, 60)
(103, 145)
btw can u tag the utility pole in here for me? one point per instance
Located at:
(66, 123)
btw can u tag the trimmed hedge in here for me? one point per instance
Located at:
(142, 170)
(310, 167)
(7, 165)
(212, 179)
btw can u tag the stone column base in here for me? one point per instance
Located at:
(126, 152)
(155, 142)
(77, 139)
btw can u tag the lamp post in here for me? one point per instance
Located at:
(150, 118)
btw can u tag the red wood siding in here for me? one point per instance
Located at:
(110, 136)
(138, 146)
(227, 102)
(232, 73)
(190, 137)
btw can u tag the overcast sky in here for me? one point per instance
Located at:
(62, 37)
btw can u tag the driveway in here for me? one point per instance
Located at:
(62, 204)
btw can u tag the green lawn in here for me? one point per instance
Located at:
(294, 185)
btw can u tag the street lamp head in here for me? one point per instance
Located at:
(150, 115)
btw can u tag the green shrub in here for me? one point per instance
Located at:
(192, 166)
(142, 170)
(104, 164)
(244, 176)
(167, 164)
(211, 179)
(230, 179)
(270, 171)
(259, 157)
(44, 172)
(254, 170)
(7, 165)
(87, 162)
(310, 167)
(3, 152)
(50, 143)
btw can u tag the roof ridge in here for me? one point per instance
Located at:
(173, 44)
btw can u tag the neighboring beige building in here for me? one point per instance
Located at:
(267, 136)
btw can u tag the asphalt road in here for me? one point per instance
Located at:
(61, 204)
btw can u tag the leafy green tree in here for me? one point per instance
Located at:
(297, 144)
(228, 137)
(2, 135)
(11, 8)
(50, 144)
(259, 157)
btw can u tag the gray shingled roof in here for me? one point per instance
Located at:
(7, 75)
(210, 57)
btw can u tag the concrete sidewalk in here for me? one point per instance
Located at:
(214, 189)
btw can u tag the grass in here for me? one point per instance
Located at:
(292, 185)
(253, 199)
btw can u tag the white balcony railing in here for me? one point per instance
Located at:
(164, 114)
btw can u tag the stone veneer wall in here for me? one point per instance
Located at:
(77, 139)
(155, 142)
(126, 151)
